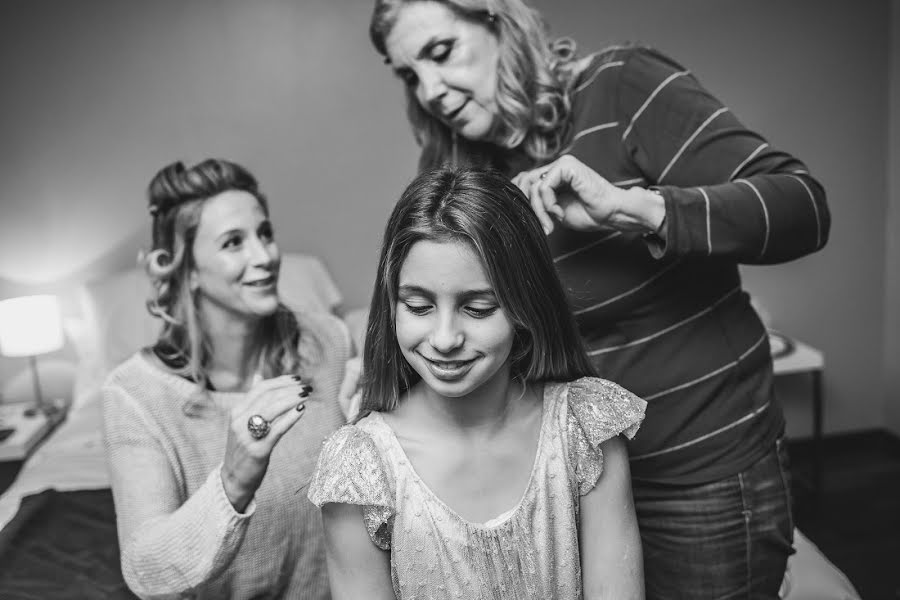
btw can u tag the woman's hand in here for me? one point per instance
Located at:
(579, 198)
(281, 401)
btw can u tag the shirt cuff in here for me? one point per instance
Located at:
(657, 244)
(221, 501)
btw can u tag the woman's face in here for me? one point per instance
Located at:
(236, 259)
(449, 63)
(450, 326)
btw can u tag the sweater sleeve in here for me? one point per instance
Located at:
(169, 545)
(727, 192)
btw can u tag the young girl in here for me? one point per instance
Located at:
(487, 462)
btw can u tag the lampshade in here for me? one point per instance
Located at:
(30, 325)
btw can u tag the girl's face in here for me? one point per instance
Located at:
(236, 259)
(449, 63)
(450, 326)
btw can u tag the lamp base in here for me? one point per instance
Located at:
(28, 427)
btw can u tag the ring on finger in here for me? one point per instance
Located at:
(544, 175)
(258, 426)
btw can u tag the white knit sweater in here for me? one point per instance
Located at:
(178, 533)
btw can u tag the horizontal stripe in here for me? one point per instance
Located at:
(708, 224)
(688, 142)
(656, 276)
(603, 67)
(666, 330)
(705, 437)
(765, 212)
(595, 128)
(815, 210)
(650, 98)
(748, 159)
(572, 253)
(625, 182)
(703, 378)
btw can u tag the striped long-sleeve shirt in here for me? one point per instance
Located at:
(670, 321)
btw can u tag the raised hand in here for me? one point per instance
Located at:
(258, 422)
(579, 198)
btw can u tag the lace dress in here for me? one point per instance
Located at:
(528, 552)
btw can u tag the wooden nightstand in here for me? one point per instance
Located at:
(23, 428)
(29, 427)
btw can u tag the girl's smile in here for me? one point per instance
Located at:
(450, 326)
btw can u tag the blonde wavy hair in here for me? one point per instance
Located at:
(534, 80)
(176, 197)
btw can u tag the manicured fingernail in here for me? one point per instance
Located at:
(301, 407)
(297, 378)
(303, 393)
(307, 388)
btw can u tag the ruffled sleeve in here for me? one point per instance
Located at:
(350, 470)
(597, 411)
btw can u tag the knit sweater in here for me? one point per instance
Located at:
(179, 535)
(670, 321)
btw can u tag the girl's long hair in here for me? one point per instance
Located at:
(534, 81)
(485, 210)
(176, 197)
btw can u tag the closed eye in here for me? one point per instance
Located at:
(440, 51)
(417, 309)
(481, 313)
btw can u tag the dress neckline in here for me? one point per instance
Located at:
(507, 515)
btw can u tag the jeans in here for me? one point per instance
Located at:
(726, 539)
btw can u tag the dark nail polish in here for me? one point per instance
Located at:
(301, 407)
(307, 387)
(297, 378)
(303, 393)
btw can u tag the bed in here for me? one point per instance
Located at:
(57, 520)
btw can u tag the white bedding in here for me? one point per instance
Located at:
(71, 458)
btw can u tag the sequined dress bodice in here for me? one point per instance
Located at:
(528, 552)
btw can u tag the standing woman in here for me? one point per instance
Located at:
(211, 432)
(652, 193)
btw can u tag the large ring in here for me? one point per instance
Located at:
(544, 175)
(258, 426)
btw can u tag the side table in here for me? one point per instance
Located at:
(801, 358)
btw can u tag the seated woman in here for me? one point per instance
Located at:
(210, 432)
(488, 462)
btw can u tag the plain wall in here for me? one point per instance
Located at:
(99, 94)
(892, 237)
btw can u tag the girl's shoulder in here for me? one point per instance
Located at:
(352, 469)
(601, 408)
(591, 411)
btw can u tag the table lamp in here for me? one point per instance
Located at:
(29, 326)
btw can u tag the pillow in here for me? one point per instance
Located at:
(116, 322)
(305, 285)
(811, 576)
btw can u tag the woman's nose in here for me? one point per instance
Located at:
(262, 253)
(431, 88)
(446, 335)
